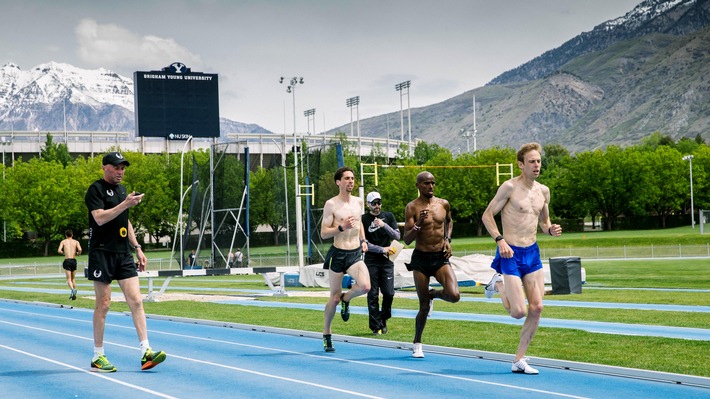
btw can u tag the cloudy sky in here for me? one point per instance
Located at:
(340, 48)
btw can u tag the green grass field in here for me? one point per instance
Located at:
(635, 281)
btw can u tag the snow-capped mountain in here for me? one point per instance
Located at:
(645, 11)
(55, 96)
(675, 17)
(52, 94)
(56, 82)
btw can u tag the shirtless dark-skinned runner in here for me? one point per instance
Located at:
(428, 222)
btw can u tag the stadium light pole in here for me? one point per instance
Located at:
(309, 114)
(689, 158)
(291, 88)
(283, 167)
(349, 103)
(467, 134)
(4, 143)
(400, 88)
(182, 198)
(474, 124)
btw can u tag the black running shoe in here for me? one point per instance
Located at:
(344, 308)
(328, 343)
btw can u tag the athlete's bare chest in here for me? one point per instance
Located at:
(527, 201)
(345, 209)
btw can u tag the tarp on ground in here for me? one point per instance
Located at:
(474, 269)
(469, 270)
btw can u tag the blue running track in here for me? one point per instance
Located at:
(45, 352)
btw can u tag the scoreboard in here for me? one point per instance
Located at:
(176, 103)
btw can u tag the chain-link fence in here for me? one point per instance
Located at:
(623, 252)
(588, 253)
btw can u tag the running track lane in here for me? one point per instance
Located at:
(45, 352)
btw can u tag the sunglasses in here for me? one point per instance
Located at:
(376, 202)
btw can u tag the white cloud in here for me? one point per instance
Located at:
(112, 46)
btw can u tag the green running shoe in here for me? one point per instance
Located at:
(102, 365)
(152, 359)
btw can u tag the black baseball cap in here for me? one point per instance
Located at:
(115, 158)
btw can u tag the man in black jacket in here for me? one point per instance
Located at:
(380, 229)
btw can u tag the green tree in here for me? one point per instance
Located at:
(555, 163)
(267, 205)
(158, 211)
(667, 185)
(425, 152)
(686, 145)
(655, 139)
(200, 160)
(470, 182)
(701, 180)
(397, 188)
(86, 171)
(610, 183)
(56, 152)
(43, 197)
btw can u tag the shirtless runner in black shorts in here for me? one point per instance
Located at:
(341, 221)
(70, 248)
(428, 221)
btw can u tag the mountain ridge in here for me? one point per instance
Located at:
(629, 77)
(55, 96)
(637, 83)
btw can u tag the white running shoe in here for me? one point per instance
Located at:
(521, 366)
(417, 350)
(491, 288)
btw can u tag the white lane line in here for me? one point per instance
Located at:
(178, 357)
(279, 377)
(343, 360)
(320, 357)
(91, 373)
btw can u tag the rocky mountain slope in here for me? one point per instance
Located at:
(628, 78)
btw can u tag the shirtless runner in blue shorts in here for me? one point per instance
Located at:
(523, 203)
